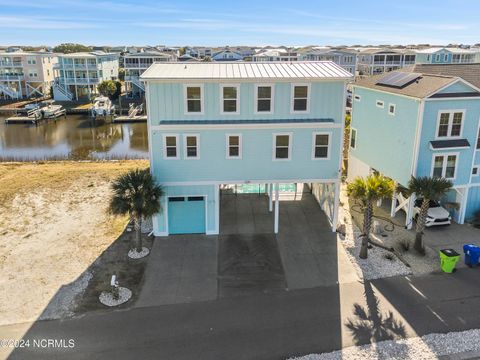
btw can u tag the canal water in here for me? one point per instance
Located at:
(75, 137)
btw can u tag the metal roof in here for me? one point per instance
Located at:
(446, 144)
(309, 70)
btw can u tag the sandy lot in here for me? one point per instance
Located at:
(53, 226)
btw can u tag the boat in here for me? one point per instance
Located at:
(32, 106)
(102, 106)
(50, 110)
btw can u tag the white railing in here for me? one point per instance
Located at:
(11, 77)
(81, 81)
(12, 93)
(136, 81)
(63, 91)
(11, 63)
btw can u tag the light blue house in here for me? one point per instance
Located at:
(212, 124)
(444, 55)
(406, 124)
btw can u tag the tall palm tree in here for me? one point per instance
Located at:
(427, 188)
(136, 193)
(367, 191)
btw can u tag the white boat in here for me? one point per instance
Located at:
(32, 106)
(50, 110)
(102, 106)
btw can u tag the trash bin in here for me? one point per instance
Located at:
(448, 260)
(472, 254)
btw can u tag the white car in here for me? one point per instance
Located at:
(437, 215)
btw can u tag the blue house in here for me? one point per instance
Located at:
(447, 56)
(413, 124)
(212, 124)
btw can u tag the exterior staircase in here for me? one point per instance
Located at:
(6, 90)
(136, 81)
(61, 93)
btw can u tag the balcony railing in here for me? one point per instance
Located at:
(80, 81)
(11, 77)
(11, 63)
(132, 77)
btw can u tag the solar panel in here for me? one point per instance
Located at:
(398, 79)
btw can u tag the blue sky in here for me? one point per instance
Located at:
(147, 22)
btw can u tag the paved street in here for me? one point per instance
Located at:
(268, 326)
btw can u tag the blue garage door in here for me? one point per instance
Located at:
(186, 215)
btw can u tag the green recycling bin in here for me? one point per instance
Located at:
(448, 260)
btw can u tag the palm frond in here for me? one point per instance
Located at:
(431, 188)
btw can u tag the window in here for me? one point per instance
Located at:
(353, 138)
(445, 57)
(31, 61)
(191, 143)
(300, 101)
(478, 140)
(475, 171)
(391, 109)
(170, 143)
(264, 99)
(321, 142)
(450, 123)
(437, 57)
(444, 166)
(229, 100)
(428, 57)
(194, 99)
(33, 74)
(282, 143)
(456, 58)
(234, 146)
(357, 98)
(380, 104)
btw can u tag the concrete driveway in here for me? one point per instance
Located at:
(247, 258)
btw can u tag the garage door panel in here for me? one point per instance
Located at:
(186, 215)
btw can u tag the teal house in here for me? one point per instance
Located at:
(216, 124)
(417, 124)
(445, 55)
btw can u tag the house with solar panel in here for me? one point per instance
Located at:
(418, 124)
(223, 125)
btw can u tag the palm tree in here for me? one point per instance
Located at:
(136, 193)
(367, 191)
(427, 188)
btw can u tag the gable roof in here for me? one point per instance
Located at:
(467, 72)
(310, 70)
(424, 86)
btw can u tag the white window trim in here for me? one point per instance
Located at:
(444, 165)
(357, 98)
(165, 157)
(272, 97)
(445, 57)
(197, 136)
(478, 171)
(227, 147)
(314, 134)
(237, 86)
(356, 138)
(437, 57)
(274, 146)
(450, 123)
(185, 100)
(377, 102)
(394, 109)
(292, 99)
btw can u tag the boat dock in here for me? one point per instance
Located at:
(33, 118)
(129, 119)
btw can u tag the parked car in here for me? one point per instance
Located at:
(437, 214)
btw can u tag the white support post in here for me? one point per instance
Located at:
(275, 226)
(336, 206)
(270, 195)
(463, 206)
(408, 220)
(394, 204)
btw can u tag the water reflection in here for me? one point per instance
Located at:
(73, 138)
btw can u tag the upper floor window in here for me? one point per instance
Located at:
(450, 123)
(229, 100)
(282, 146)
(445, 57)
(31, 60)
(391, 109)
(357, 98)
(263, 99)
(380, 104)
(191, 143)
(437, 57)
(300, 100)
(234, 146)
(194, 99)
(444, 165)
(170, 146)
(321, 144)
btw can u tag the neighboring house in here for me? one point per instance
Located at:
(227, 55)
(468, 72)
(412, 124)
(447, 56)
(347, 59)
(26, 74)
(135, 64)
(213, 123)
(78, 74)
(188, 58)
(374, 61)
(275, 55)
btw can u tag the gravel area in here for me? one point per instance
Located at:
(106, 297)
(134, 254)
(427, 347)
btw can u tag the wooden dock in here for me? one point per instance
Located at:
(129, 119)
(35, 120)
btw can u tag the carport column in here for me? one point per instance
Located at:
(275, 225)
(336, 206)
(270, 195)
(394, 202)
(409, 220)
(463, 205)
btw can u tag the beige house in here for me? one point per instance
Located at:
(26, 74)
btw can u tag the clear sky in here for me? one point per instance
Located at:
(230, 22)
